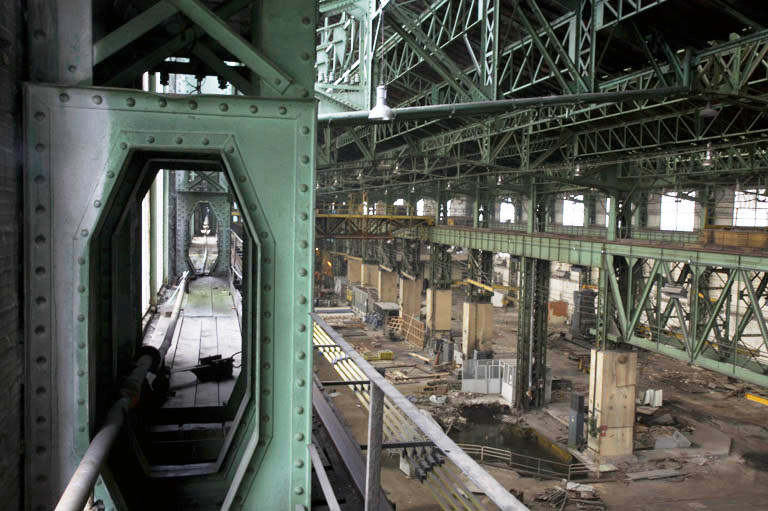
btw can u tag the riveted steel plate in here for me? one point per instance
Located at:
(80, 143)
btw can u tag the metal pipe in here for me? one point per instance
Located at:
(79, 488)
(475, 108)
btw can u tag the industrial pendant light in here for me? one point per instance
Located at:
(381, 112)
(708, 112)
(707, 156)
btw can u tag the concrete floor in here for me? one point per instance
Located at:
(735, 481)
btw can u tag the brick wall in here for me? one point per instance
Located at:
(11, 349)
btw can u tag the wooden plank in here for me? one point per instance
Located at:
(221, 299)
(183, 384)
(207, 393)
(198, 301)
(230, 342)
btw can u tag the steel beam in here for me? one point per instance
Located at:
(585, 252)
(173, 45)
(132, 30)
(219, 30)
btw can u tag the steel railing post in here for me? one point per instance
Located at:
(373, 461)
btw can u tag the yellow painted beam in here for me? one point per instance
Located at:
(487, 287)
(756, 398)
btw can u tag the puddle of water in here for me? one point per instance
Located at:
(484, 427)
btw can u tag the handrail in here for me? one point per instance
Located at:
(79, 488)
(507, 456)
(484, 481)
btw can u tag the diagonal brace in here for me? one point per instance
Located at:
(176, 43)
(219, 30)
(132, 30)
(757, 311)
(714, 312)
(432, 54)
(229, 73)
(562, 53)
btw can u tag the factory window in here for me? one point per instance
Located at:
(677, 213)
(750, 208)
(507, 212)
(420, 207)
(573, 211)
(448, 207)
(399, 202)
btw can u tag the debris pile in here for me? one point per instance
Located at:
(574, 497)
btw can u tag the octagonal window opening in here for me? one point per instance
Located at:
(203, 248)
(143, 243)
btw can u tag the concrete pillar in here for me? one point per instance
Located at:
(439, 309)
(368, 274)
(354, 271)
(386, 285)
(612, 391)
(477, 327)
(410, 297)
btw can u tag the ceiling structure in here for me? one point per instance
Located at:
(613, 95)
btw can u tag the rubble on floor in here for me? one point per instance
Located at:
(573, 497)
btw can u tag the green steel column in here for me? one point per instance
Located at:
(603, 304)
(480, 269)
(612, 218)
(440, 267)
(532, 332)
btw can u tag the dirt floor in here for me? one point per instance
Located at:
(726, 468)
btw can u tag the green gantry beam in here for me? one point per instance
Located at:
(589, 252)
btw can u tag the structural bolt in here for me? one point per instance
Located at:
(301, 355)
(300, 382)
(299, 410)
(299, 490)
(299, 437)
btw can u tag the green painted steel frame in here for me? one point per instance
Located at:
(78, 144)
(614, 299)
(585, 252)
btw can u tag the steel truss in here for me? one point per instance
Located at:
(560, 54)
(694, 339)
(709, 316)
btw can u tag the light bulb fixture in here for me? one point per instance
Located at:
(707, 156)
(448, 186)
(577, 170)
(397, 168)
(381, 112)
(359, 175)
(386, 191)
(413, 189)
(708, 112)
(498, 180)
